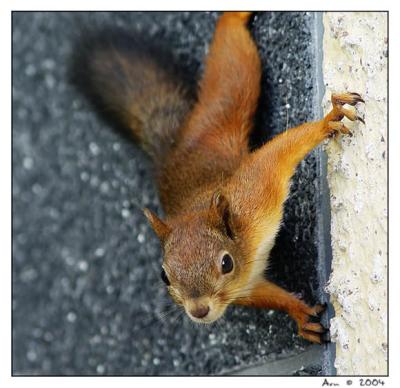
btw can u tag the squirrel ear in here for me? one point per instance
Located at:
(220, 213)
(160, 227)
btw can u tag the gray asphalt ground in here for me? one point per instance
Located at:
(87, 297)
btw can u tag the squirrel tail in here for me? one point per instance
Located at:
(137, 83)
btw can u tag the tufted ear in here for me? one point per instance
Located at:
(160, 227)
(220, 214)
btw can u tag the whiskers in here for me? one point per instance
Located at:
(173, 311)
(168, 314)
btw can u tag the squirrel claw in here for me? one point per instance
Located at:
(359, 98)
(310, 326)
(314, 318)
(333, 123)
(314, 328)
(346, 98)
(326, 337)
(360, 119)
(326, 329)
(323, 307)
(319, 309)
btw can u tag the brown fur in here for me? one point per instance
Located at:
(137, 83)
(218, 196)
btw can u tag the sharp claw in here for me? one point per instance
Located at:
(326, 329)
(333, 134)
(355, 101)
(314, 319)
(359, 98)
(360, 119)
(323, 309)
(357, 95)
(326, 337)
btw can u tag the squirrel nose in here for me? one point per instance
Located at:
(200, 312)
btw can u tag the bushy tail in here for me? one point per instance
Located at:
(138, 84)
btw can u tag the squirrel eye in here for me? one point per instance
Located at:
(164, 278)
(226, 264)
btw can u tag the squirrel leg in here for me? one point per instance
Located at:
(290, 147)
(229, 88)
(268, 295)
(275, 162)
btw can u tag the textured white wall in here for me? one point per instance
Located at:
(355, 60)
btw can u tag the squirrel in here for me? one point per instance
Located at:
(223, 202)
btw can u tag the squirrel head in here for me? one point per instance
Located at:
(203, 260)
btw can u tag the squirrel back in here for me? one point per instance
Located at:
(138, 84)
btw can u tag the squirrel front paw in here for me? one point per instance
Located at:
(334, 124)
(309, 326)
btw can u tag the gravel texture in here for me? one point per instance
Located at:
(87, 297)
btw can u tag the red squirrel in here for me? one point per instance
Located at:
(223, 203)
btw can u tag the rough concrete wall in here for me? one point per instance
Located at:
(355, 59)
